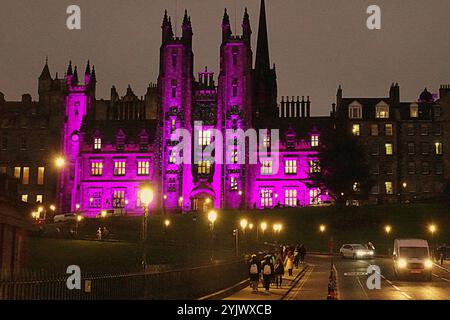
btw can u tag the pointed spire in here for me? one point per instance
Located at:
(75, 76)
(69, 69)
(45, 74)
(262, 50)
(88, 68)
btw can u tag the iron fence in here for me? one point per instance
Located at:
(190, 283)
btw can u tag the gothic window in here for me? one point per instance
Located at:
(235, 87)
(290, 197)
(266, 198)
(314, 166)
(97, 168)
(119, 167)
(314, 140)
(290, 166)
(97, 143)
(119, 198)
(266, 167)
(143, 167)
(40, 175)
(233, 184)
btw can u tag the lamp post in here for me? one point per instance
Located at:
(388, 230)
(146, 196)
(212, 217)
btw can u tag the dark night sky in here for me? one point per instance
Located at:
(316, 44)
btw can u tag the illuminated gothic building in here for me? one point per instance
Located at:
(112, 147)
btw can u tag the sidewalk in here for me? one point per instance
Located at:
(276, 294)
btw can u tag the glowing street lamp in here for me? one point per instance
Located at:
(146, 197)
(60, 162)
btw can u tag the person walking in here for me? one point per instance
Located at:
(289, 263)
(279, 272)
(267, 271)
(254, 273)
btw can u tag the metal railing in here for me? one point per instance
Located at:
(188, 283)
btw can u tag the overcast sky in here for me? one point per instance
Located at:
(316, 44)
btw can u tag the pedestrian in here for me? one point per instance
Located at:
(267, 271)
(302, 252)
(254, 271)
(289, 263)
(99, 233)
(279, 272)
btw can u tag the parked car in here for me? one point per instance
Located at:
(65, 217)
(355, 251)
(412, 257)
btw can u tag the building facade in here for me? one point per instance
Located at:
(406, 142)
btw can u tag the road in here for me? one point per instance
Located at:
(352, 277)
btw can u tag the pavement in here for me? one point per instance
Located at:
(275, 294)
(352, 282)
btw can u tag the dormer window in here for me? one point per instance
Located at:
(97, 144)
(382, 111)
(414, 110)
(355, 111)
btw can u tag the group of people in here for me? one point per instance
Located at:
(273, 267)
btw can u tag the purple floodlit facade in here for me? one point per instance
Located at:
(113, 147)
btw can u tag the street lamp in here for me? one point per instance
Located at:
(146, 197)
(212, 217)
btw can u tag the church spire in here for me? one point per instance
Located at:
(262, 50)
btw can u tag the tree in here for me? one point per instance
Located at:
(344, 171)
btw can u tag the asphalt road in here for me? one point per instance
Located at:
(352, 278)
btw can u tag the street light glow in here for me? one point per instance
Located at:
(146, 196)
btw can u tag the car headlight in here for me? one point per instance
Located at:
(402, 263)
(428, 264)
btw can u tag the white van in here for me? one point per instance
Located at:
(412, 257)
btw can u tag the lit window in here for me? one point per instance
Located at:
(266, 198)
(374, 130)
(96, 168)
(438, 148)
(17, 171)
(118, 198)
(119, 168)
(204, 138)
(355, 112)
(314, 166)
(266, 142)
(24, 198)
(267, 167)
(389, 129)
(204, 167)
(233, 184)
(314, 197)
(26, 175)
(143, 167)
(356, 129)
(97, 143)
(290, 167)
(290, 197)
(40, 175)
(382, 111)
(314, 140)
(39, 198)
(389, 187)
(414, 111)
(389, 149)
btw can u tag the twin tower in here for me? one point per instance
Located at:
(245, 97)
